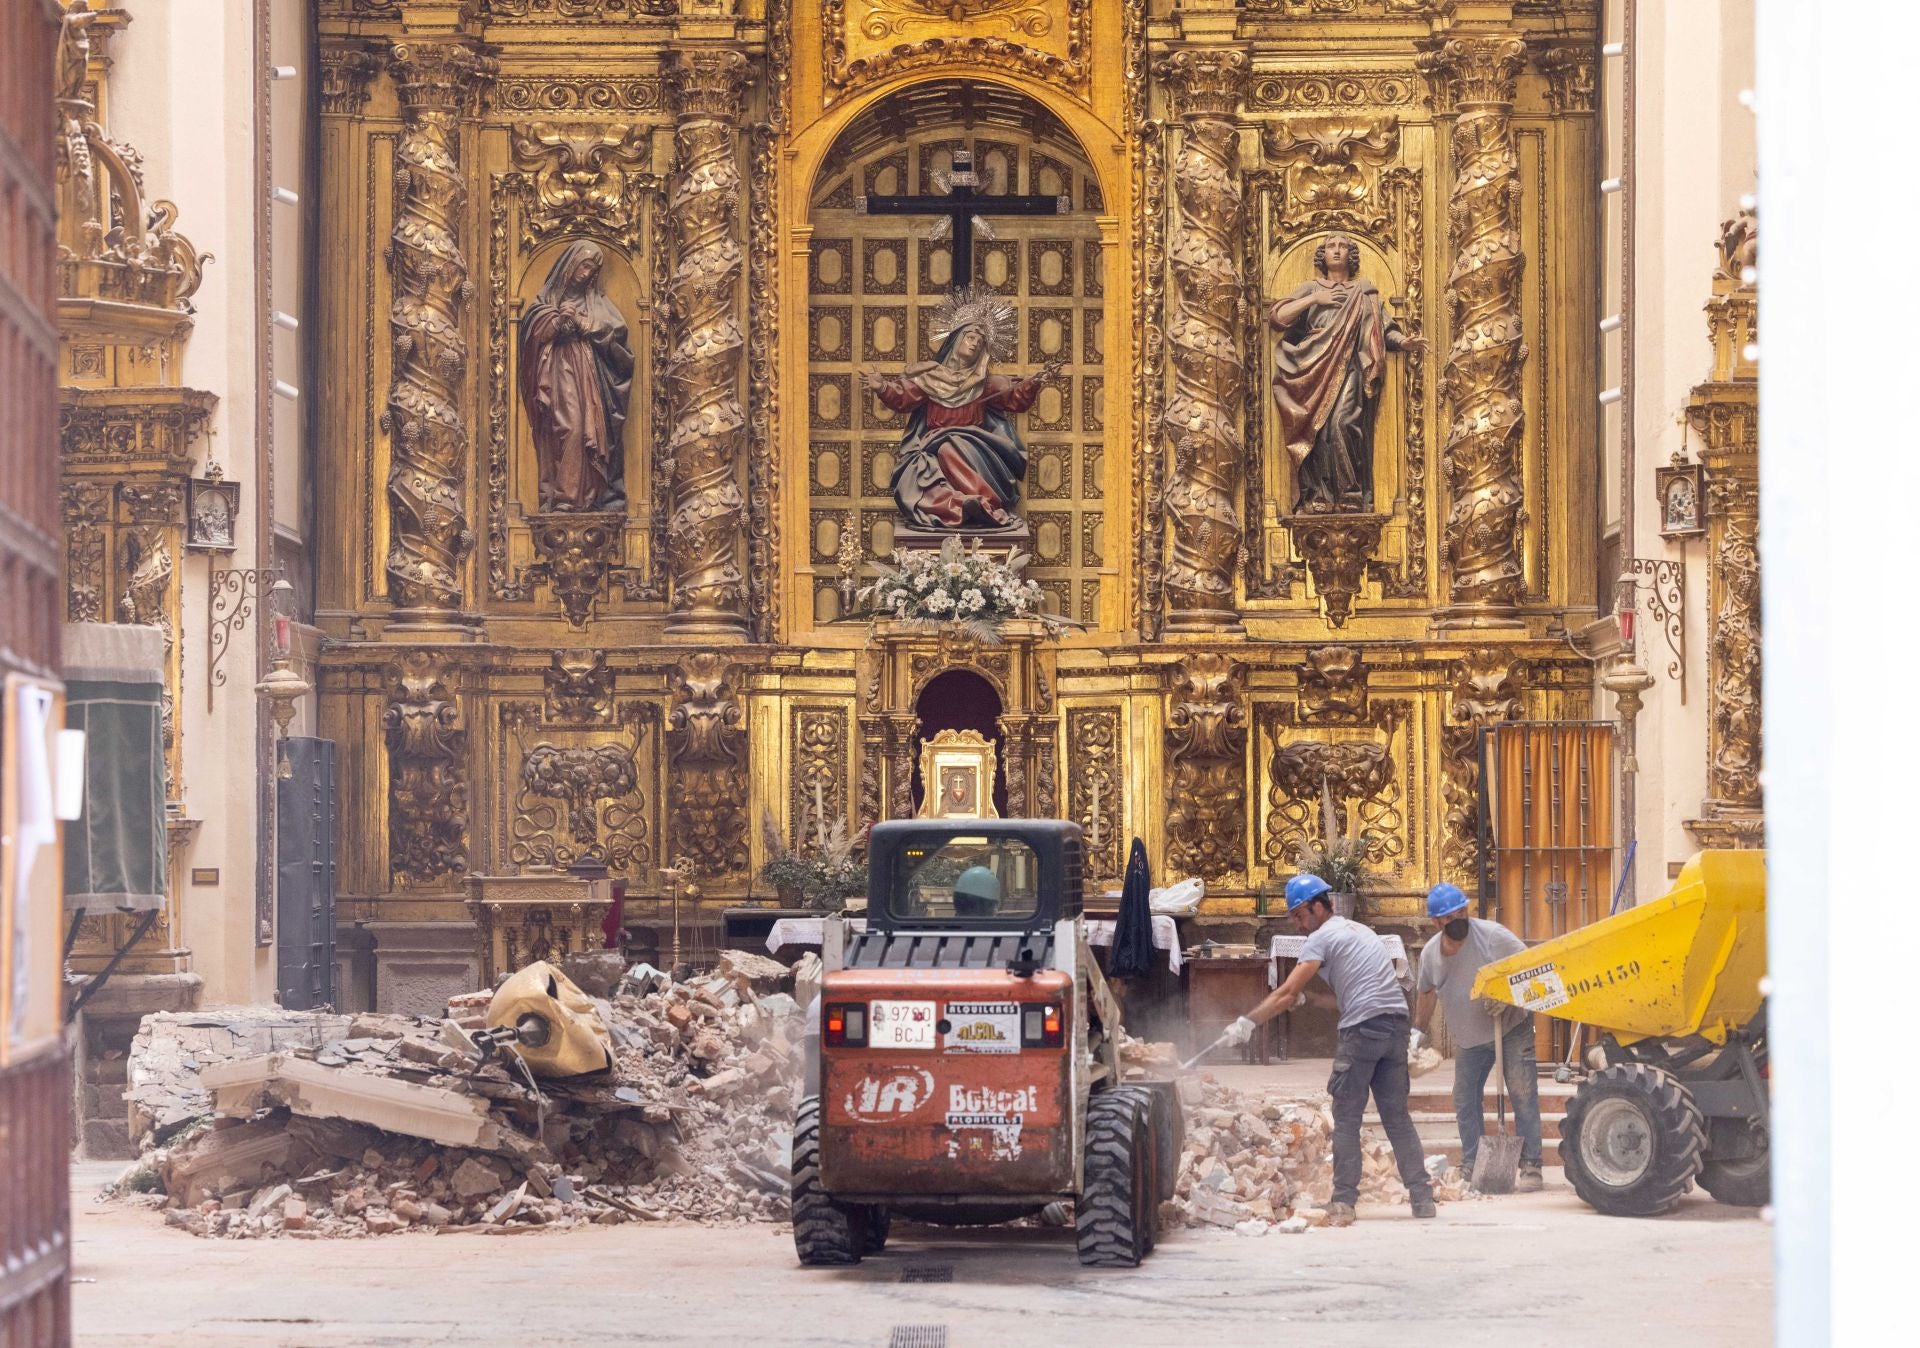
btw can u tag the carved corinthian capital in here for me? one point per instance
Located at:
(707, 518)
(345, 73)
(1474, 77)
(1202, 420)
(438, 83)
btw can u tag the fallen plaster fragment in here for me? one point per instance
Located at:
(449, 1117)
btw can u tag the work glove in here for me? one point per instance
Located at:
(1239, 1032)
(1416, 1041)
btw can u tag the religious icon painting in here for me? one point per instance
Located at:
(1681, 491)
(957, 769)
(213, 512)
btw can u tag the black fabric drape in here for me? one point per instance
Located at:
(1133, 933)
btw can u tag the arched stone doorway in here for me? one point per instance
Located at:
(959, 699)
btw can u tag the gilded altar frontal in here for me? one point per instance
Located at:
(652, 330)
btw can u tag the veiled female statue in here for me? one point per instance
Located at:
(961, 459)
(576, 371)
(1330, 363)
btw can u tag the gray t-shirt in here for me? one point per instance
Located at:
(1452, 977)
(1356, 965)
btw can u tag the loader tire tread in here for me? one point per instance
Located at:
(825, 1232)
(1114, 1215)
(1739, 1184)
(1679, 1140)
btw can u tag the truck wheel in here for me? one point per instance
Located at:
(875, 1223)
(1114, 1214)
(824, 1232)
(1746, 1183)
(1632, 1140)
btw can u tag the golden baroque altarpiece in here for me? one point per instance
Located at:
(639, 678)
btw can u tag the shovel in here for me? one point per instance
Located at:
(1496, 1166)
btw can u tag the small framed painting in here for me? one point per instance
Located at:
(1682, 494)
(213, 512)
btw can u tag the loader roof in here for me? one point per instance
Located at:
(914, 869)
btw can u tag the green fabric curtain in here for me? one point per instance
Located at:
(116, 852)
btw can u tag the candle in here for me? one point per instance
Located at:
(282, 635)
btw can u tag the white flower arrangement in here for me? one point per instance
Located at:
(957, 585)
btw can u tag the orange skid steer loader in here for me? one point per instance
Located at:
(967, 1069)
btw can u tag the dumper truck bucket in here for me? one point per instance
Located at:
(1687, 963)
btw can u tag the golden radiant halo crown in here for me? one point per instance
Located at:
(976, 305)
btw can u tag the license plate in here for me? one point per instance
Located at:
(901, 1025)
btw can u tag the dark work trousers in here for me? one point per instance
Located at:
(1372, 1056)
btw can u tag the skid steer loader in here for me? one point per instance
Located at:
(966, 1069)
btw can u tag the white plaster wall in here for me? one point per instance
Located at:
(1694, 159)
(183, 91)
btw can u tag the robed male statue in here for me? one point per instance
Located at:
(961, 460)
(1327, 372)
(576, 372)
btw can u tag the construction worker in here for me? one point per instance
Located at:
(976, 893)
(1372, 1052)
(1448, 967)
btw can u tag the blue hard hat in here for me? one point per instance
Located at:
(977, 882)
(1444, 898)
(1303, 889)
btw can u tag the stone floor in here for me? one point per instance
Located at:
(1537, 1268)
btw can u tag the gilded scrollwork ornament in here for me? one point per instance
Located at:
(580, 776)
(1337, 550)
(1357, 777)
(426, 769)
(1202, 419)
(707, 767)
(584, 175)
(1095, 783)
(1206, 757)
(1333, 686)
(576, 553)
(1485, 690)
(1331, 169)
(704, 370)
(579, 687)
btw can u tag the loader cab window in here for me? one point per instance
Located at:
(966, 880)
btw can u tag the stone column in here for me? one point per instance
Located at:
(1473, 80)
(707, 523)
(1204, 416)
(439, 83)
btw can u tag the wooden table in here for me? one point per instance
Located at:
(1220, 990)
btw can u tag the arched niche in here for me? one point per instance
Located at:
(960, 699)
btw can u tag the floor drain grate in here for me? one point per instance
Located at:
(918, 1336)
(927, 1273)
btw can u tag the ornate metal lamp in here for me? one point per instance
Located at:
(282, 687)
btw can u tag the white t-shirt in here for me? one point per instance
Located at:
(1355, 963)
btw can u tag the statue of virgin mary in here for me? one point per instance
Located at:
(961, 459)
(576, 371)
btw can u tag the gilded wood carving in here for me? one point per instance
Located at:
(425, 415)
(707, 767)
(1206, 756)
(426, 771)
(704, 373)
(1474, 78)
(1202, 420)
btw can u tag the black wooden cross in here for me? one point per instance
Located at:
(961, 205)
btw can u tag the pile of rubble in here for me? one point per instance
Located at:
(1256, 1161)
(378, 1123)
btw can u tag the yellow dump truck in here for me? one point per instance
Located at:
(1679, 1091)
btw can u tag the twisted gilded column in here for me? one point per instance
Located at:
(439, 83)
(707, 518)
(1474, 78)
(1202, 421)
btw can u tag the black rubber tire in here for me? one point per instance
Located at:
(876, 1222)
(1745, 1183)
(1676, 1138)
(1113, 1218)
(825, 1233)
